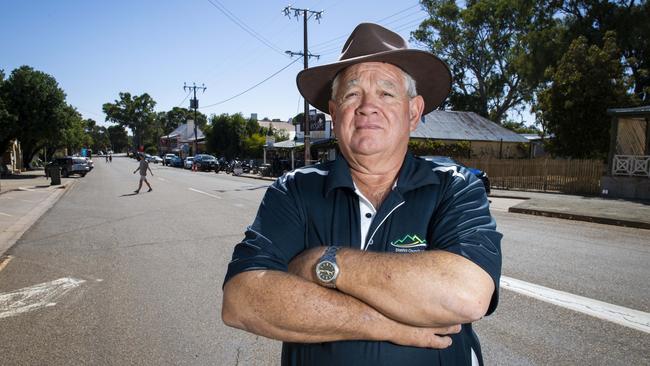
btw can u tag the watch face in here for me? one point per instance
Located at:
(326, 271)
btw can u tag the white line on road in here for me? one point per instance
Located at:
(5, 214)
(161, 179)
(631, 318)
(35, 297)
(205, 193)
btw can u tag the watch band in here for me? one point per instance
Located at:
(330, 254)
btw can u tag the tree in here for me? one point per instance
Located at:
(119, 140)
(593, 19)
(170, 120)
(226, 135)
(587, 80)
(38, 104)
(486, 46)
(8, 122)
(135, 113)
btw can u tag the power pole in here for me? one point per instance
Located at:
(194, 103)
(306, 14)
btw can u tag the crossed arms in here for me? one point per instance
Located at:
(408, 299)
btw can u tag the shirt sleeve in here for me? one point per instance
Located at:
(276, 235)
(463, 225)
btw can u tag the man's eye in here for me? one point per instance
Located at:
(350, 94)
(387, 94)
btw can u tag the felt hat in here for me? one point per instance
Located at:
(373, 43)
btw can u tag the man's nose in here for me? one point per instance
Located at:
(368, 104)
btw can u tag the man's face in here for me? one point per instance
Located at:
(372, 112)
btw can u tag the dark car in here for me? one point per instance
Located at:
(176, 161)
(446, 160)
(71, 165)
(205, 162)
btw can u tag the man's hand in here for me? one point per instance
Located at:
(304, 264)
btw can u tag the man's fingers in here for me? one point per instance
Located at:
(454, 329)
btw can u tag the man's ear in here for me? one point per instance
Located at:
(416, 107)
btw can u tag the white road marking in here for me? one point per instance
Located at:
(35, 297)
(630, 318)
(161, 179)
(205, 193)
(25, 189)
(6, 214)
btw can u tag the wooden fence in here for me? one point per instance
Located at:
(549, 175)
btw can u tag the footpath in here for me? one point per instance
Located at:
(25, 197)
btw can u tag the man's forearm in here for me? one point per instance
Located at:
(432, 288)
(282, 306)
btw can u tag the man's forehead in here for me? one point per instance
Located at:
(387, 72)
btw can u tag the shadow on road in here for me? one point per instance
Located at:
(129, 194)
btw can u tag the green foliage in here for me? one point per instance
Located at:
(38, 107)
(253, 146)
(430, 147)
(135, 113)
(8, 122)
(485, 45)
(587, 80)
(520, 127)
(170, 120)
(119, 140)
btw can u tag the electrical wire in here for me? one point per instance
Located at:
(184, 99)
(244, 26)
(252, 87)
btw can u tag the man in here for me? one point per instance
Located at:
(378, 257)
(143, 167)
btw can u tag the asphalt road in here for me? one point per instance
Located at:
(152, 266)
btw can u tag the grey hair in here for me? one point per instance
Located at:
(411, 88)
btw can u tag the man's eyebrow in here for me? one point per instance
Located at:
(387, 84)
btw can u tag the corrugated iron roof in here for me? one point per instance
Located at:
(464, 126)
(643, 110)
(185, 133)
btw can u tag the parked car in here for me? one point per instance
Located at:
(90, 162)
(70, 165)
(446, 160)
(156, 159)
(188, 162)
(167, 159)
(205, 162)
(176, 162)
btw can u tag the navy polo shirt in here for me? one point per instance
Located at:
(432, 207)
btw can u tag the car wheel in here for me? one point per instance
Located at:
(64, 173)
(83, 174)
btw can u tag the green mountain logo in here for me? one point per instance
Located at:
(409, 241)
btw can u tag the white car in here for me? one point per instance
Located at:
(156, 159)
(188, 162)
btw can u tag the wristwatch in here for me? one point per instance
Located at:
(326, 268)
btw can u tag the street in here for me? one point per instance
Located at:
(136, 279)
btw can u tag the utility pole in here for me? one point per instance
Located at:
(194, 103)
(306, 14)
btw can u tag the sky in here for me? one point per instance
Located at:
(97, 49)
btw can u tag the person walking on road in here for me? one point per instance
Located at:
(144, 166)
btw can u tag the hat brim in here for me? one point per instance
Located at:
(431, 75)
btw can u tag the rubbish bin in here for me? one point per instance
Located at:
(54, 172)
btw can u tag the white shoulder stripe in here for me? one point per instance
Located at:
(452, 168)
(307, 170)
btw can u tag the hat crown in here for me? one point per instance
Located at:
(368, 39)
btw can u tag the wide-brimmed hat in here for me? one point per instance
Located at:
(373, 43)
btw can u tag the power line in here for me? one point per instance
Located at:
(243, 25)
(184, 99)
(252, 87)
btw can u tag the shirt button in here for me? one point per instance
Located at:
(368, 215)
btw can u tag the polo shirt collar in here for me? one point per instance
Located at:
(414, 174)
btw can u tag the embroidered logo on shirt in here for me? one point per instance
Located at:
(409, 243)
